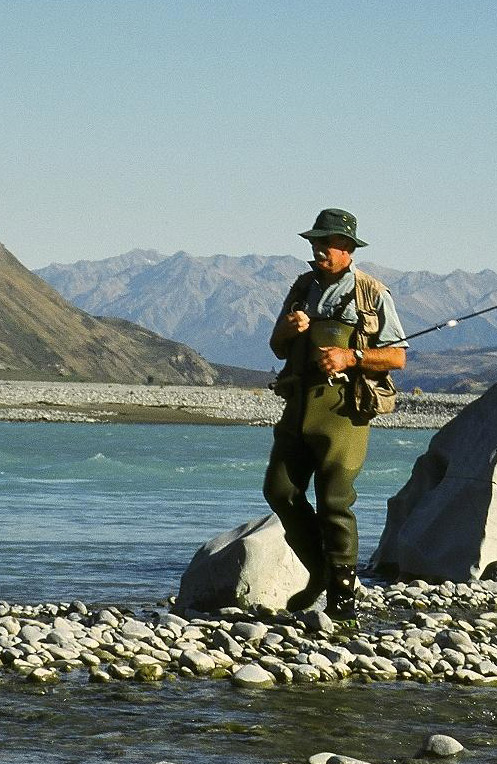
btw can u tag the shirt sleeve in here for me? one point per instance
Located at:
(391, 332)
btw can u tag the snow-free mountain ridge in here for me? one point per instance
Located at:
(225, 306)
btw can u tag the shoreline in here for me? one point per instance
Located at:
(101, 402)
(416, 632)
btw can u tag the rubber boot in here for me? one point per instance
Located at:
(340, 597)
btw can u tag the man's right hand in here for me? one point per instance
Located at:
(294, 323)
(288, 327)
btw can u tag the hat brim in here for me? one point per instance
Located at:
(316, 233)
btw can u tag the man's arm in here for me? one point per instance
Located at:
(335, 359)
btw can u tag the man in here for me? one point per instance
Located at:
(323, 333)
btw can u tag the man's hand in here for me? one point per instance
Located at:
(335, 359)
(295, 323)
(288, 327)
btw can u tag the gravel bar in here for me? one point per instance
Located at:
(102, 402)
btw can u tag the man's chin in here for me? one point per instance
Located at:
(323, 265)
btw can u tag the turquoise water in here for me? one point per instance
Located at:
(113, 514)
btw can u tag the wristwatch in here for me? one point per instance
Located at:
(359, 355)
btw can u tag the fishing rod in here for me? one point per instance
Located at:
(450, 323)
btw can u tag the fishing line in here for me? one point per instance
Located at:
(450, 323)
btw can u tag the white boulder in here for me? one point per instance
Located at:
(250, 565)
(442, 525)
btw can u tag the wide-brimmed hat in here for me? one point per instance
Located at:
(330, 222)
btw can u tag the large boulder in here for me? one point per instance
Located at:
(442, 525)
(250, 565)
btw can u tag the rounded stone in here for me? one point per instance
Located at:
(132, 629)
(361, 647)
(442, 745)
(105, 616)
(334, 758)
(11, 625)
(32, 634)
(253, 676)
(317, 620)
(143, 660)
(98, 675)
(89, 659)
(306, 674)
(198, 662)
(320, 758)
(79, 607)
(249, 632)
(153, 672)
(43, 675)
(320, 660)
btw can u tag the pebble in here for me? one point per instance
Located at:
(105, 616)
(249, 632)
(305, 673)
(99, 675)
(198, 662)
(253, 676)
(154, 672)
(43, 675)
(436, 746)
(317, 620)
(333, 758)
(221, 639)
(133, 629)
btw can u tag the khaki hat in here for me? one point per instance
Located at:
(333, 221)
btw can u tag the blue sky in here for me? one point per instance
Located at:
(225, 126)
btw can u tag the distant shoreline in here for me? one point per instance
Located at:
(93, 402)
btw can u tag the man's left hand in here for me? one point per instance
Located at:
(335, 359)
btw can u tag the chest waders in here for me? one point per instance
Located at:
(319, 434)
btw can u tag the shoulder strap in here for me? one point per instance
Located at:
(298, 290)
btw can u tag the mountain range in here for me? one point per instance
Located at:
(43, 336)
(224, 307)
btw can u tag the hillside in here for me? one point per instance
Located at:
(42, 336)
(452, 371)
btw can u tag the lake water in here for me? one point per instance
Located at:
(113, 514)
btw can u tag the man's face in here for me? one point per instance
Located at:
(331, 254)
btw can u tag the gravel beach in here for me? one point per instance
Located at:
(101, 402)
(412, 632)
(408, 633)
